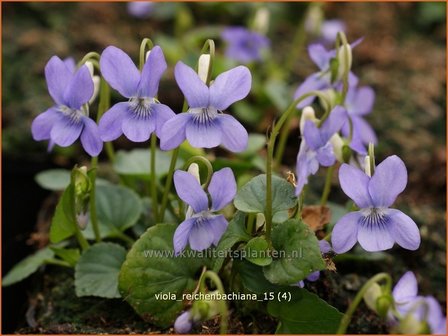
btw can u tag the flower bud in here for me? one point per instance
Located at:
(410, 324)
(183, 323)
(344, 58)
(383, 304)
(261, 21)
(203, 66)
(367, 168)
(82, 181)
(338, 147)
(314, 18)
(193, 169)
(260, 221)
(371, 296)
(96, 82)
(203, 310)
(82, 219)
(346, 153)
(307, 114)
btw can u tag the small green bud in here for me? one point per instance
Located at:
(371, 296)
(334, 69)
(346, 153)
(203, 310)
(81, 181)
(383, 304)
(412, 325)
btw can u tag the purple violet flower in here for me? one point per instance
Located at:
(68, 120)
(322, 79)
(244, 45)
(315, 148)
(140, 9)
(183, 323)
(204, 125)
(330, 29)
(203, 228)
(358, 103)
(375, 225)
(142, 114)
(405, 294)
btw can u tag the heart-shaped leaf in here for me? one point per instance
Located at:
(151, 269)
(298, 253)
(118, 209)
(97, 270)
(252, 197)
(306, 313)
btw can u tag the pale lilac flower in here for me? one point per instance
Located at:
(204, 125)
(68, 120)
(183, 323)
(204, 227)
(330, 29)
(244, 45)
(315, 148)
(322, 79)
(142, 114)
(140, 9)
(358, 103)
(375, 225)
(406, 298)
(325, 248)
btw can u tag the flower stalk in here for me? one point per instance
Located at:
(359, 296)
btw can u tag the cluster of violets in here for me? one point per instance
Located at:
(204, 125)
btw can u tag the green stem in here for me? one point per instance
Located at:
(153, 177)
(103, 106)
(327, 187)
(83, 243)
(271, 143)
(57, 262)
(210, 46)
(123, 237)
(358, 298)
(282, 141)
(214, 278)
(93, 213)
(169, 181)
(250, 223)
(146, 43)
(208, 165)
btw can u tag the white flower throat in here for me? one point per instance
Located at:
(141, 106)
(203, 115)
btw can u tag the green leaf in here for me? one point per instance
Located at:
(69, 255)
(118, 208)
(64, 221)
(306, 313)
(137, 163)
(278, 93)
(298, 251)
(53, 179)
(27, 266)
(96, 273)
(253, 278)
(257, 251)
(252, 197)
(255, 143)
(236, 232)
(152, 269)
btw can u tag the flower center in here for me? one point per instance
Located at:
(374, 217)
(203, 115)
(73, 114)
(141, 106)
